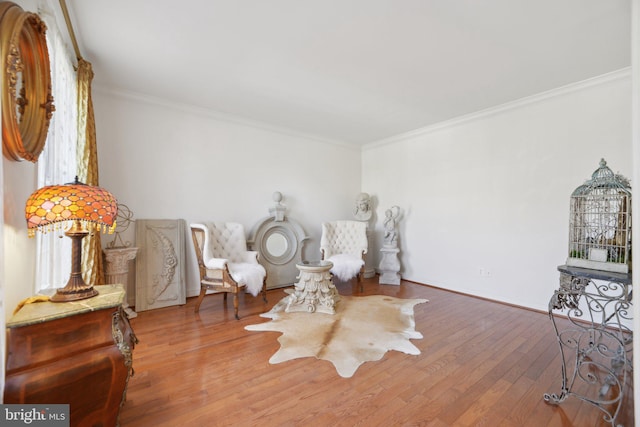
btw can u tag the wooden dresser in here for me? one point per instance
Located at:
(78, 353)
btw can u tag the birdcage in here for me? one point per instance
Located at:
(600, 223)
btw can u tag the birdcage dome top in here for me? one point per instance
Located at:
(603, 178)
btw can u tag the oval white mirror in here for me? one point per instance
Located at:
(277, 244)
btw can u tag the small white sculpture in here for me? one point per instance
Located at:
(390, 223)
(390, 263)
(278, 210)
(362, 210)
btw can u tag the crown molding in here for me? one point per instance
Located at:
(623, 73)
(218, 116)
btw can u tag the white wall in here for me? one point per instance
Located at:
(167, 161)
(18, 182)
(19, 251)
(491, 191)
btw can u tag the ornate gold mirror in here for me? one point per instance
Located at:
(27, 103)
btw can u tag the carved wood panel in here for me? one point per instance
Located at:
(160, 265)
(279, 241)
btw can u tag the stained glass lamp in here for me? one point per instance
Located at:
(77, 206)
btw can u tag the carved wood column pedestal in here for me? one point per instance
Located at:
(314, 291)
(117, 271)
(389, 266)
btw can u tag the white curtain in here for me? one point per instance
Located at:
(58, 162)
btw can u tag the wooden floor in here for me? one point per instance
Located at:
(481, 364)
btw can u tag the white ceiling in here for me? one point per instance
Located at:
(354, 71)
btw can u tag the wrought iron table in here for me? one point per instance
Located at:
(596, 347)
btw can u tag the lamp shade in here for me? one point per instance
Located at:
(83, 206)
(48, 206)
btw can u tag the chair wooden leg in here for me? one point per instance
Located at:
(203, 292)
(264, 290)
(235, 304)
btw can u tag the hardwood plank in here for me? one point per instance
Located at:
(481, 363)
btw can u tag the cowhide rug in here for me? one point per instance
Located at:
(362, 329)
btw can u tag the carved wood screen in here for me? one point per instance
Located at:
(160, 265)
(279, 241)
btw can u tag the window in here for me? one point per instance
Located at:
(57, 163)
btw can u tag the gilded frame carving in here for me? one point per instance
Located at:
(27, 102)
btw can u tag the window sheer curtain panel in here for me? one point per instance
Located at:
(92, 264)
(57, 163)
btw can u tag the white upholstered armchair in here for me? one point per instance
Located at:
(224, 262)
(344, 243)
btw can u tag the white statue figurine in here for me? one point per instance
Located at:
(278, 210)
(390, 231)
(362, 210)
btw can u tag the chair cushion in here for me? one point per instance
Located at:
(344, 237)
(345, 266)
(252, 274)
(228, 241)
(215, 263)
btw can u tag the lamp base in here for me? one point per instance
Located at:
(73, 295)
(76, 288)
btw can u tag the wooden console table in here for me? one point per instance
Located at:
(596, 348)
(77, 353)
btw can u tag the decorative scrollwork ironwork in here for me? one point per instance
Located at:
(568, 296)
(124, 218)
(596, 349)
